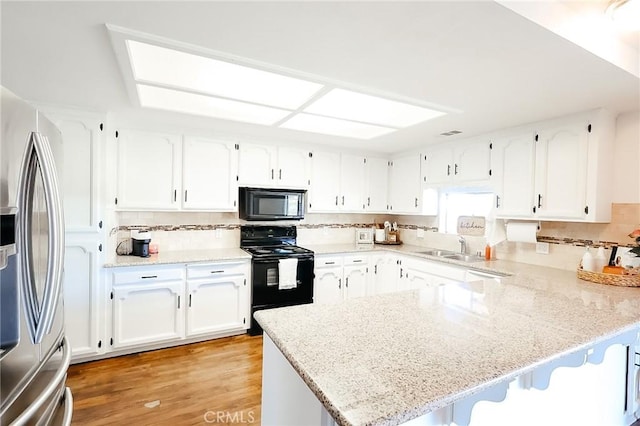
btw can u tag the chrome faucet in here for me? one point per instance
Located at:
(463, 245)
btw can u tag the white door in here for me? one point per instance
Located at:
(256, 165)
(377, 178)
(80, 291)
(404, 185)
(293, 168)
(324, 192)
(148, 171)
(472, 162)
(148, 313)
(352, 180)
(512, 162)
(81, 138)
(385, 274)
(209, 169)
(327, 285)
(216, 304)
(355, 281)
(561, 172)
(437, 167)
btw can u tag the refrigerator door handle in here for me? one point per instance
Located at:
(53, 385)
(68, 407)
(39, 157)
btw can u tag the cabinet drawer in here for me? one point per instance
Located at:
(148, 275)
(356, 260)
(327, 261)
(210, 270)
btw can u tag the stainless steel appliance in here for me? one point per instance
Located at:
(35, 355)
(273, 248)
(271, 204)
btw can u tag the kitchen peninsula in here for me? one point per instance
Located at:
(536, 342)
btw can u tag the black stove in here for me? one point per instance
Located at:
(268, 246)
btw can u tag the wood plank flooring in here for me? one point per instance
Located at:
(220, 379)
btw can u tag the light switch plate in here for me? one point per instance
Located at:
(542, 248)
(420, 233)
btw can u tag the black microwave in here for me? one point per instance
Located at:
(271, 204)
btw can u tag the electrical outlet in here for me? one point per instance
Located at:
(542, 248)
(218, 233)
(325, 230)
(420, 233)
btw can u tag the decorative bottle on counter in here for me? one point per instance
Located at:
(588, 262)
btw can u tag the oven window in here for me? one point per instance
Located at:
(272, 276)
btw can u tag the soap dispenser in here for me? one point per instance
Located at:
(600, 260)
(588, 262)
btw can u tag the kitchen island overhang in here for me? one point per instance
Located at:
(392, 358)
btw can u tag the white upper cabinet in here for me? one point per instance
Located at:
(404, 185)
(377, 184)
(148, 170)
(513, 165)
(561, 171)
(271, 166)
(352, 183)
(466, 162)
(324, 194)
(556, 170)
(209, 169)
(82, 136)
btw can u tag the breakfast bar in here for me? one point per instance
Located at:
(458, 353)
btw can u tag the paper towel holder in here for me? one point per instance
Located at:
(539, 224)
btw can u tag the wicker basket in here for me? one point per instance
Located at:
(610, 279)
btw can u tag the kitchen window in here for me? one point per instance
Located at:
(455, 204)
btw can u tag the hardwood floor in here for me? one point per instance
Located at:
(215, 382)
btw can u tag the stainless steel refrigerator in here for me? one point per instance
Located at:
(34, 353)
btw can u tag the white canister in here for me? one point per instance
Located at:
(588, 262)
(380, 235)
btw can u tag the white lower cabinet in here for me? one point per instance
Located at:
(165, 303)
(340, 277)
(217, 298)
(385, 273)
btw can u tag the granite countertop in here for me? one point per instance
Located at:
(180, 256)
(386, 359)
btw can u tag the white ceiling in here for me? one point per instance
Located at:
(497, 67)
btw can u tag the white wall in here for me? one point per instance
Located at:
(626, 157)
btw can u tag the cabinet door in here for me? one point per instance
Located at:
(561, 172)
(293, 168)
(352, 183)
(216, 304)
(437, 167)
(80, 292)
(324, 192)
(256, 165)
(472, 162)
(80, 176)
(377, 178)
(148, 171)
(414, 279)
(355, 281)
(512, 165)
(209, 170)
(404, 185)
(385, 274)
(148, 313)
(327, 285)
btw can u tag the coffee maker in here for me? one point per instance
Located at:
(140, 243)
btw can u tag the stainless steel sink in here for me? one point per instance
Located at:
(464, 257)
(438, 253)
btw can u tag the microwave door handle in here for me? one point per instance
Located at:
(39, 158)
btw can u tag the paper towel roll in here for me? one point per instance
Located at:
(524, 232)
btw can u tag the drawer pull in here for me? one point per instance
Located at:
(357, 261)
(329, 263)
(217, 272)
(144, 277)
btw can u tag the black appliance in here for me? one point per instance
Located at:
(140, 247)
(267, 245)
(271, 204)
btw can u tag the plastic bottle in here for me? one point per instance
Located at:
(600, 260)
(487, 252)
(588, 262)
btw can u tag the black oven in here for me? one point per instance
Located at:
(271, 204)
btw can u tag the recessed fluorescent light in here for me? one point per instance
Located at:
(189, 103)
(334, 126)
(340, 103)
(169, 67)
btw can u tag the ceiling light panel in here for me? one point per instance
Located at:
(334, 126)
(340, 103)
(169, 67)
(189, 103)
